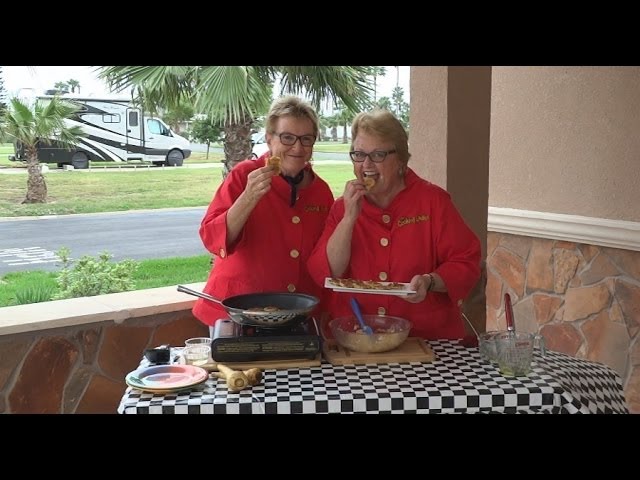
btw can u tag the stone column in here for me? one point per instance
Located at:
(449, 145)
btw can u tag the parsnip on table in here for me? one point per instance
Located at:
(238, 380)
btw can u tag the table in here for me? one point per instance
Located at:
(458, 381)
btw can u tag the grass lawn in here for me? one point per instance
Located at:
(41, 285)
(91, 192)
(6, 149)
(99, 191)
(71, 192)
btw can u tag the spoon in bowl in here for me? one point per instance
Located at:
(355, 306)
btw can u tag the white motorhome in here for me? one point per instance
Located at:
(116, 130)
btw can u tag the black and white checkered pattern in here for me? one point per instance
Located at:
(458, 381)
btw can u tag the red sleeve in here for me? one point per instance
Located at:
(213, 228)
(458, 248)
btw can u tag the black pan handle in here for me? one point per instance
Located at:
(206, 296)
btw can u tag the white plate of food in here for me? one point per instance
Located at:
(163, 378)
(374, 287)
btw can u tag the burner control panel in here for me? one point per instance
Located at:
(233, 343)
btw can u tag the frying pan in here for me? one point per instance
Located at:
(291, 307)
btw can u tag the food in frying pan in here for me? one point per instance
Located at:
(369, 182)
(366, 284)
(275, 163)
(269, 308)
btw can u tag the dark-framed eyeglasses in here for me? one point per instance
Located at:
(376, 156)
(291, 139)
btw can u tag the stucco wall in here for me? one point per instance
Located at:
(428, 133)
(563, 140)
(566, 140)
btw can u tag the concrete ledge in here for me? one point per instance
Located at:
(571, 228)
(114, 307)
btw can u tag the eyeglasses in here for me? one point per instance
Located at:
(376, 156)
(291, 139)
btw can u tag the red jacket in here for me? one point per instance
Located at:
(420, 232)
(271, 252)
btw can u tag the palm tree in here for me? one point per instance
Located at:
(28, 126)
(61, 87)
(344, 117)
(377, 71)
(3, 95)
(73, 84)
(385, 103)
(236, 95)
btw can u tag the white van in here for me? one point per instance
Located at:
(115, 130)
(259, 144)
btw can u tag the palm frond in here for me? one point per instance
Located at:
(350, 84)
(44, 121)
(230, 94)
(160, 85)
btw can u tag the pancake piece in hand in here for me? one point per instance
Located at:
(275, 163)
(369, 182)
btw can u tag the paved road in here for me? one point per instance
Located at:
(30, 244)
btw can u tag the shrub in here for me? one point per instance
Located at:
(34, 294)
(94, 276)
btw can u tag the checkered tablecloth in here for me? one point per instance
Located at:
(458, 381)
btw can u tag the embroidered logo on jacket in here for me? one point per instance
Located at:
(402, 221)
(316, 208)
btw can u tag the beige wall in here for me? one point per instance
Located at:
(450, 146)
(563, 140)
(566, 140)
(428, 133)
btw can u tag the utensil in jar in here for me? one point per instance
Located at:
(355, 306)
(508, 312)
(269, 309)
(470, 340)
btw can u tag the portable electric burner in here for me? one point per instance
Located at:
(233, 342)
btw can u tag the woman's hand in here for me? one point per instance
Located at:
(354, 190)
(258, 184)
(421, 284)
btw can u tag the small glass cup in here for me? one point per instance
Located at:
(487, 345)
(197, 355)
(196, 341)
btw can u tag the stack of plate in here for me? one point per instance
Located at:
(166, 378)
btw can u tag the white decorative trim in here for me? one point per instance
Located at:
(571, 228)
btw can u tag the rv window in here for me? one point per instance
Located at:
(106, 118)
(133, 119)
(158, 128)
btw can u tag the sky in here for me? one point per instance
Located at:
(20, 79)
